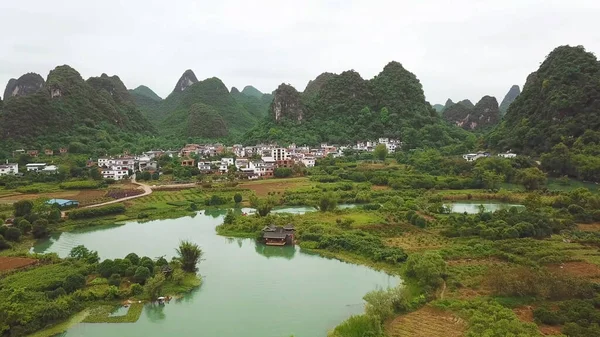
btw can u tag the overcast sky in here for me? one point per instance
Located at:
(458, 49)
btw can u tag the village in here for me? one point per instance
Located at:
(250, 162)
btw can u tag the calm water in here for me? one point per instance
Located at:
(472, 207)
(249, 290)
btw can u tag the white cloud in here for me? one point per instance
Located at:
(458, 49)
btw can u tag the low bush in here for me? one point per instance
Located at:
(86, 213)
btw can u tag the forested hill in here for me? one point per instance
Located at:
(559, 103)
(66, 105)
(510, 97)
(345, 107)
(194, 106)
(473, 117)
(144, 91)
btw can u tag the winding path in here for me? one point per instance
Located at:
(147, 191)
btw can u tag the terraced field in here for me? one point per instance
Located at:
(427, 322)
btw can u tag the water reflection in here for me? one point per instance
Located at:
(287, 252)
(155, 312)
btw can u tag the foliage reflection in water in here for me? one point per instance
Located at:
(248, 289)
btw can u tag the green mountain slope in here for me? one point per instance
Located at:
(474, 117)
(559, 103)
(257, 106)
(143, 90)
(251, 91)
(510, 97)
(148, 102)
(205, 122)
(347, 108)
(67, 104)
(314, 86)
(24, 85)
(175, 109)
(438, 107)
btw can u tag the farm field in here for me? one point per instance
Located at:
(262, 188)
(10, 263)
(427, 322)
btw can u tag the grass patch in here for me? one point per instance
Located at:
(62, 327)
(190, 282)
(102, 313)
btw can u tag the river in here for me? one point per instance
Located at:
(248, 289)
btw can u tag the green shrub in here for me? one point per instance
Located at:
(74, 282)
(141, 275)
(237, 198)
(358, 326)
(114, 280)
(25, 226)
(136, 289)
(86, 213)
(4, 243)
(13, 234)
(80, 185)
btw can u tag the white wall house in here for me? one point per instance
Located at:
(475, 156)
(204, 166)
(280, 153)
(9, 169)
(50, 169)
(115, 174)
(507, 155)
(35, 167)
(225, 163)
(308, 161)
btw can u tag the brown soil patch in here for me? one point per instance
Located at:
(591, 227)
(578, 269)
(10, 263)
(263, 188)
(427, 322)
(525, 314)
(380, 188)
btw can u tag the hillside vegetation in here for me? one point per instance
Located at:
(345, 107)
(66, 105)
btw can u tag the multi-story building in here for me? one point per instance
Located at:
(114, 173)
(204, 166)
(280, 153)
(9, 169)
(225, 163)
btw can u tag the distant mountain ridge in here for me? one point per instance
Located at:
(474, 117)
(25, 85)
(341, 108)
(510, 97)
(559, 103)
(67, 104)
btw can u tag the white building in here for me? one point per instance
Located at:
(9, 169)
(475, 156)
(308, 161)
(115, 174)
(35, 167)
(225, 163)
(241, 163)
(119, 163)
(204, 166)
(507, 155)
(50, 169)
(280, 153)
